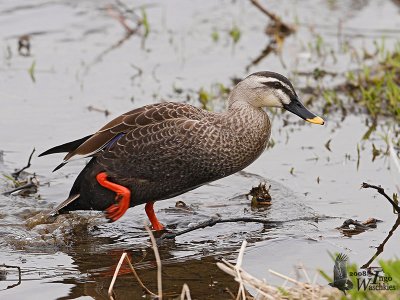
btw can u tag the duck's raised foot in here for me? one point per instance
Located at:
(115, 211)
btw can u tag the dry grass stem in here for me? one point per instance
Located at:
(110, 289)
(124, 256)
(138, 278)
(237, 268)
(265, 291)
(185, 294)
(158, 261)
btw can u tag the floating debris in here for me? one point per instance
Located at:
(352, 227)
(28, 185)
(25, 187)
(260, 195)
(24, 45)
(106, 112)
(328, 145)
(182, 206)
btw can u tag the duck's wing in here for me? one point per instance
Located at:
(112, 131)
(173, 150)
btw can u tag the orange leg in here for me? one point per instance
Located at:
(115, 211)
(152, 217)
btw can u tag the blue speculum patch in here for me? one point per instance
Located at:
(114, 140)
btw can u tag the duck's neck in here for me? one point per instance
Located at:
(238, 105)
(247, 118)
(247, 115)
(249, 129)
(240, 97)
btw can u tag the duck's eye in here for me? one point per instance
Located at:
(277, 85)
(273, 84)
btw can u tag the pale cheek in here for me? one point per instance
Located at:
(284, 98)
(271, 101)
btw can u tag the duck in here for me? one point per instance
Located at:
(163, 150)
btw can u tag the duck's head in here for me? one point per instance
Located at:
(269, 89)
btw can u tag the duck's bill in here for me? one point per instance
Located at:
(296, 107)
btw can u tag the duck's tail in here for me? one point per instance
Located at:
(67, 147)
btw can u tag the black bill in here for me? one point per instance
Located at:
(296, 107)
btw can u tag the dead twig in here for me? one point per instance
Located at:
(106, 112)
(283, 27)
(382, 192)
(277, 30)
(17, 173)
(126, 9)
(116, 14)
(271, 47)
(138, 74)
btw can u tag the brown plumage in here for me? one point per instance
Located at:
(162, 150)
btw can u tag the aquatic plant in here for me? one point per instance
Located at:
(235, 33)
(376, 87)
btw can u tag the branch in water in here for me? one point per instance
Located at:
(17, 173)
(217, 219)
(382, 192)
(19, 275)
(379, 249)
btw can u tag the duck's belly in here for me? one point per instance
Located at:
(182, 179)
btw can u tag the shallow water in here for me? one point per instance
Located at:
(81, 60)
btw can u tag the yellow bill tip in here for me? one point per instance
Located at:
(316, 120)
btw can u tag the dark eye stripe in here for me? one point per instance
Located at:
(272, 83)
(277, 85)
